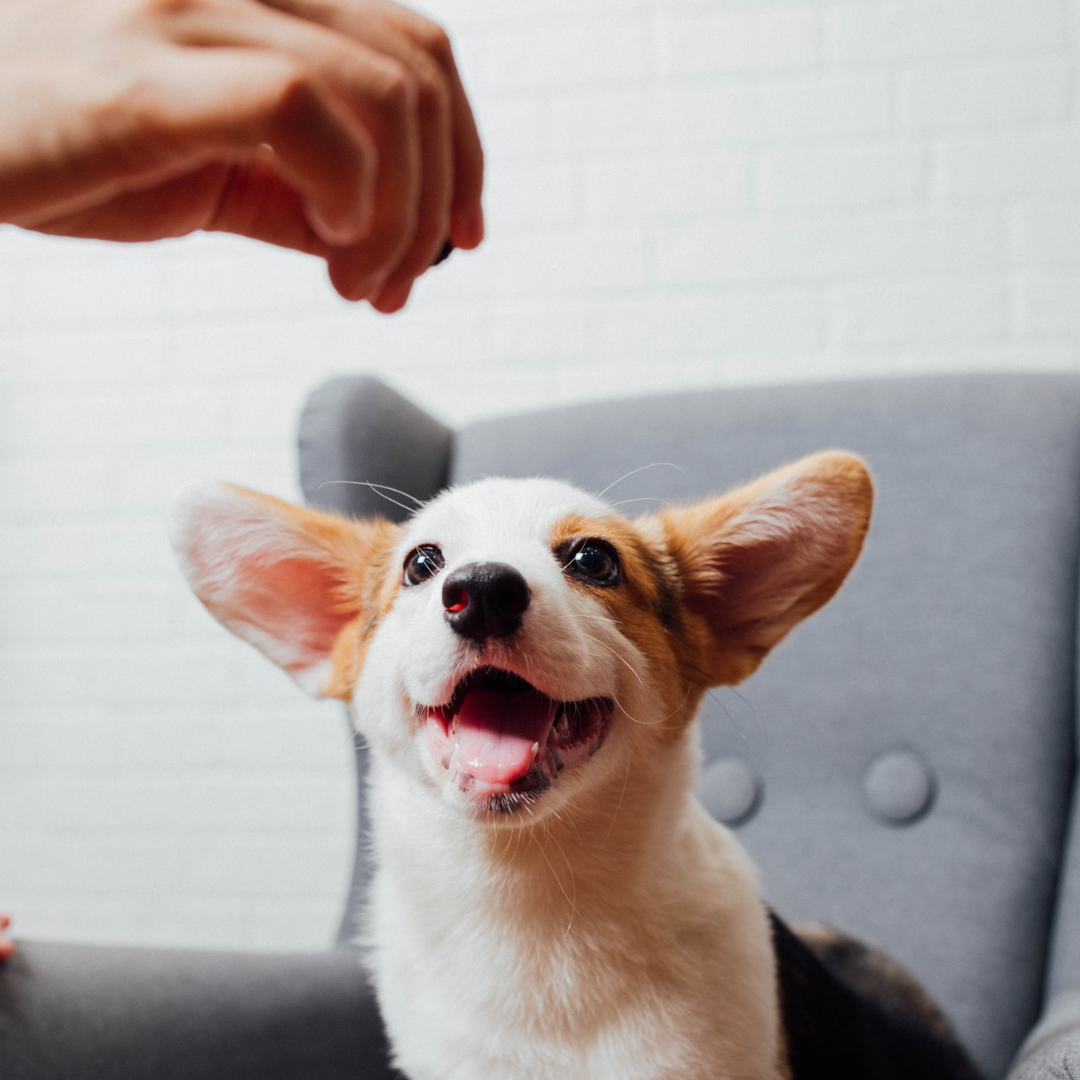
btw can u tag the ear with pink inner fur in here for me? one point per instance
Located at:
(290, 581)
(763, 557)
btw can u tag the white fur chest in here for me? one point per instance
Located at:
(672, 976)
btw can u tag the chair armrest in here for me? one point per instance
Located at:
(74, 1012)
(1052, 1050)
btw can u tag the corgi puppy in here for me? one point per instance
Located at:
(550, 901)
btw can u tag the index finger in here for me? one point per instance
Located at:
(466, 209)
(363, 20)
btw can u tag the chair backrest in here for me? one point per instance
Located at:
(902, 767)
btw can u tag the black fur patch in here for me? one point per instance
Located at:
(849, 1013)
(668, 605)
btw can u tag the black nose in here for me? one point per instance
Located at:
(485, 599)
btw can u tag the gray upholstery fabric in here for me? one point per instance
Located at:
(80, 1013)
(1052, 1050)
(1058, 1060)
(359, 423)
(1065, 952)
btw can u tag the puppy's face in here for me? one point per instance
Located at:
(517, 643)
(521, 646)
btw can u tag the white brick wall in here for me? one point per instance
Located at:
(680, 193)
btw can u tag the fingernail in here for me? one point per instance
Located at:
(470, 228)
(392, 298)
(364, 289)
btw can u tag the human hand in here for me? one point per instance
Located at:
(334, 127)
(7, 946)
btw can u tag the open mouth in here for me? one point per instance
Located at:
(499, 735)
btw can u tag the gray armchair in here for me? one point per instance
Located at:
(902, 768)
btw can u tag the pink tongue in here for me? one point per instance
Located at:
(496, 733)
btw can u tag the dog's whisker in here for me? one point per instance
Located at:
(572, 819)
(376, 488)
(618, 806)
(635, 720)
(634, 472)
(662, 720)
(593, 618)
(643, 723)
(380, 489)
(746, 701)
(570, 899)
(621, 659)
(711, 693)
(510, 840)
(715, 698)
(604, 645)
(643, 498)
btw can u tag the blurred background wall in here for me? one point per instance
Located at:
(680, 193)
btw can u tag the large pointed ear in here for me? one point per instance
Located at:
(763, 557)
(301, 586)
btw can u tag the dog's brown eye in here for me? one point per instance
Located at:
(593, 561)
(422, 564)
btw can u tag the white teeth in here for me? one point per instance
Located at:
(535, 751)
(455, 724)
(562, 723)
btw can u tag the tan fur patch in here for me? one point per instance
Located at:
(700, 596)
(760, 559)
(647, 605)
(353, 559)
